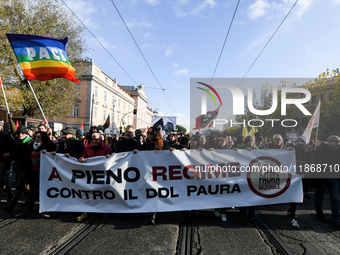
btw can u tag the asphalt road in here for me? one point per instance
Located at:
(132, 234)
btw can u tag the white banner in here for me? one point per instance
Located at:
(168, 181)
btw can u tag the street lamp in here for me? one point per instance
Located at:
(121, 120)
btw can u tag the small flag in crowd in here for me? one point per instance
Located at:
(107, 122)
(45, 121)
(146, 130)
(245, 131)
(17, 124)
(81, 125)
(313, 123)
(42, 58)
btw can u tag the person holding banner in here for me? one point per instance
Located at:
(128, 142)
(303, 157)
(95, 149)
(249, 144)
(328, 155)
(154, 142)
(277, 142)
(70, 145)
(172, 140)
(43, 144)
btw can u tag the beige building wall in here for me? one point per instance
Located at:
(100, 96)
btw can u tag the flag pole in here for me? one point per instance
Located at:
(316, 137)
(36, 99)
(3, 91)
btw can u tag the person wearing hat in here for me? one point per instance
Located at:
(21, 160)
(303, 157)
(80, 135)
(330, 156)
(70, 145)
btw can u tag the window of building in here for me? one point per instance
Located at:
(75, 110)
(95, 112)
(105, 96)
(118, 102)
(104, 115)
(95, 91)
(112, 100)
(77, 87)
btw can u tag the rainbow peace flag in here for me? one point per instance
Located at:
(42, 58)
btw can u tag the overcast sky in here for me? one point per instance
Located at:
(183, 39)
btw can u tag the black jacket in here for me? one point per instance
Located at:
(7, 145)
(22, 154)
(148, 146)
(124, 145)
(73, 146)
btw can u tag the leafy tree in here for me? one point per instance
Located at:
(263, 101)
(44, 18)
(326, 88)
(181, 129)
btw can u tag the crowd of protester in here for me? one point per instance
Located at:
(20, 149)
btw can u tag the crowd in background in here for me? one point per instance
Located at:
(20, 149)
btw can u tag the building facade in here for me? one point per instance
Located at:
(143, 114)
(101, 96)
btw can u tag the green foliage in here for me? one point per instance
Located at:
(181, 129)
(327, 88)
(263, 100)
(44, 18)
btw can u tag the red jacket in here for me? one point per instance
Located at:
(101, 150)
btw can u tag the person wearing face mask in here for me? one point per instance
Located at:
(42, 143)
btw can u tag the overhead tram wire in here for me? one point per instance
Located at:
(143, 55)
(100, 43)
(225, 40)
(268, 42)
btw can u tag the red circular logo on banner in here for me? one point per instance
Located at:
(267, 177)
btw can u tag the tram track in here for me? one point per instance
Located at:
(12, 219)
(185, 235)
(65, 246)
(280, 247)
